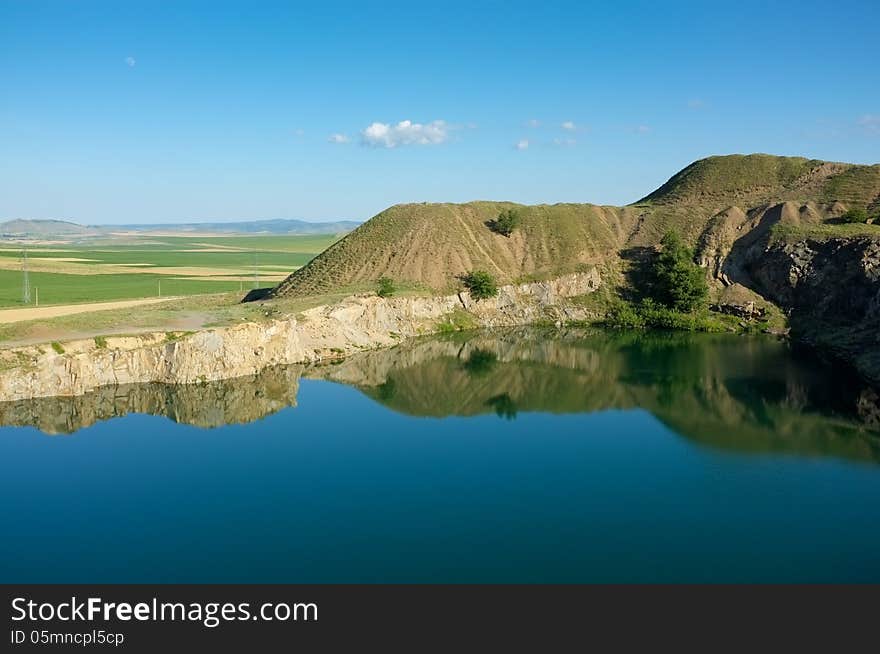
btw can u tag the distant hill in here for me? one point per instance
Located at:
(273, 226)
(22, 228)
(711, 201)
(44, 228)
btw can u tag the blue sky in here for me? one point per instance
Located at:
(158, 112)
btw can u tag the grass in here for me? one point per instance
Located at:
(456, 321)
(823, 231)
(56, 285)
(650, 315)
(732, 174)
(57, 288)
(196, 311)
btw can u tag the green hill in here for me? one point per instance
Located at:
(429, 245)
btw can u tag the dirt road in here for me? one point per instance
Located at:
(36, 313)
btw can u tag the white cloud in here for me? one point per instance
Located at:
(641, 129)
(406, 132)
(131, 61)
(569, 126)
(870, 123)
(338, 138)
(564, 143)
(533, 123)
(522, 144)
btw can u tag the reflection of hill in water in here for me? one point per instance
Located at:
(748, 394)
(231, 401)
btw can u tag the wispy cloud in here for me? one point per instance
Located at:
(533, 123)
(641, 129)
(568, 126)
(299, 133)
(522, 144)
(130, 61)
(338, 138)
(696, 104)
(870, 123)
(406, 132)
(565, 143)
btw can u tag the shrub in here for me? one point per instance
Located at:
(679, 283)
(504, 406)
(856, 215)
(624, 316)
(57, 347)
(656, 316)
(505, 223)
(100, 342)
(480, 284)
(386, 287)
(480, 362)
(386, 391)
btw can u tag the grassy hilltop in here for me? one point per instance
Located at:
(429, 245)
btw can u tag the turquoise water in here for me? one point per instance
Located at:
(524, 457)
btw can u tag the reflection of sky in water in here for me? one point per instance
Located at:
(612, 461)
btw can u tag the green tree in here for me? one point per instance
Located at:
(855, 215)
(480, 284)
(678, 282)
(505, 223)
(386, 287)
(504, 406)
(480, 362)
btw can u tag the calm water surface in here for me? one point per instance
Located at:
(519, 457)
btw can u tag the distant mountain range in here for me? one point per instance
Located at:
(50, 228)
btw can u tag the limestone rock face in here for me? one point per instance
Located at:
(354, 324)
(232, 401)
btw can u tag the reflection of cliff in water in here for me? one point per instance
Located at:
(741, 393)
(749, 394)
(231, 401)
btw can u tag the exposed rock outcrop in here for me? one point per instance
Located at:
(829, 287)
(224, 402)
(357, 323)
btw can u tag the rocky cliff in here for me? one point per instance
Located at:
(357, 323)
(224, 402)
(828, 285)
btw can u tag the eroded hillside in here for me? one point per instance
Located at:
(765, 228)
(428, 245)
(736, 198)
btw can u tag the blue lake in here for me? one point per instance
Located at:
(525, 456)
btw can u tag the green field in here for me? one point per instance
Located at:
(141, 267)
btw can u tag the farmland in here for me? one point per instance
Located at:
(136, 267)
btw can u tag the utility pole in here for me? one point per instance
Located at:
(25, 279)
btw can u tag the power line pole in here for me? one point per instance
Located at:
(25, 279)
